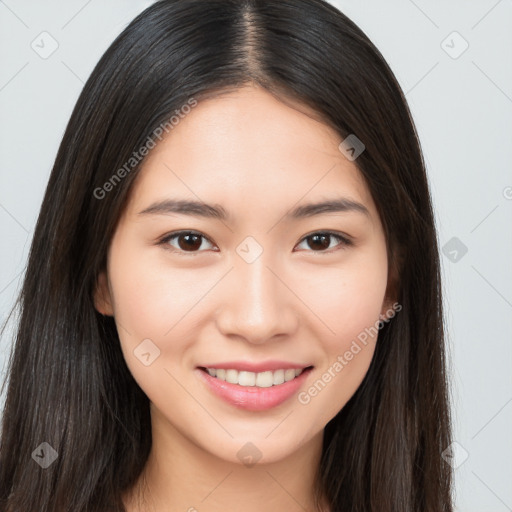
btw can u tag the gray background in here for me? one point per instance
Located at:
(462, 105)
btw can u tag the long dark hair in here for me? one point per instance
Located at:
(68, 384)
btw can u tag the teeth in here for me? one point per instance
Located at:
(278, 377)
(261, 380)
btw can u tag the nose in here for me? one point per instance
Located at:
(257, 303)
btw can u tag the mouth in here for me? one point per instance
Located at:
(254, 391)
(264, 379)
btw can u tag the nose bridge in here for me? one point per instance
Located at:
(258, 285)
(258, 306)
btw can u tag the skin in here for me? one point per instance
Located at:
(259, 158)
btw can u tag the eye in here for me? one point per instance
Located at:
(322, 240)
(192, 241)
(186, 241)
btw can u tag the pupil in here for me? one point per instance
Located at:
(188, 245)
(325, 242)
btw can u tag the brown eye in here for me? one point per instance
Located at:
(187, 241)
(192, 242)
(321, 241)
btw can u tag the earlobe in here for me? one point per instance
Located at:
(390, 305)
(102, 298)
(388, 310)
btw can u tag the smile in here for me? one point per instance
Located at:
(254, 391)
(265, 379)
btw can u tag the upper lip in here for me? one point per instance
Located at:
(248, 366)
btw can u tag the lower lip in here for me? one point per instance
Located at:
(253, 398)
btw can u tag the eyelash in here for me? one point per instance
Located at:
(345, 242)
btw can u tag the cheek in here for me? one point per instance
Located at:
(156, 302)
(150, 298)
(150, 309)
(348, 297)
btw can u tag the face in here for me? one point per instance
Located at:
(256, 281)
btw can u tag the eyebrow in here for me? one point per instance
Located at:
(199, 209)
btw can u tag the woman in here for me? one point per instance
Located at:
(233, 294)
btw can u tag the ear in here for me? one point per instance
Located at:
(102, 295)
(390, 304)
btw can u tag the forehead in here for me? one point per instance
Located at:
(247, 149)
